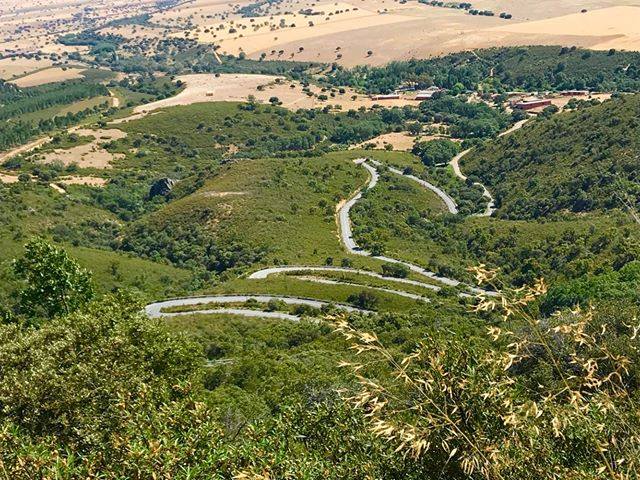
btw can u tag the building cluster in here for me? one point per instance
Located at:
(420, 95)
(520, 102)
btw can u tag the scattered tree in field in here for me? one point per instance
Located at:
(397, 270)
(364, 299)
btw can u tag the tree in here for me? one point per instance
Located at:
(435, 151)
(55, 283)
(414, 128)
(397, 270)
(364, 299)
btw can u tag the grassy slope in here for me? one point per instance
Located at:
(29, 210)
(224, 123)
(286, 206)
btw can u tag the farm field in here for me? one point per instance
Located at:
(48, 75)
(399, 31)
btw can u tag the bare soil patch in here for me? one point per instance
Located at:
(90, 155)
(398, 140)
(79, 180)
(5, 178)
(209, 88)
(222, 194)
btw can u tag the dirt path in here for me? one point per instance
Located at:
(24, 148)
(115, 101)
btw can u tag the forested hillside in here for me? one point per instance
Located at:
(89, 384)
(500, 69)
(578, 161)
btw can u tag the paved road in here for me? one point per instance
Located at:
(244, 312)
(261, 274)
(154, 310)
(400, 293)
(455, 164)
(516, 126)
(491, 203)
(346, 234)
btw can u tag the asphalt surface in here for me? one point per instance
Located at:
(154, 310)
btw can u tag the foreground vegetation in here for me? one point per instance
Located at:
(139, 401)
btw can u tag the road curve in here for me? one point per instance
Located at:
(244, 312)
(400, 293)
(449, 202)
(491, 204)
(266, 272)
(455, 164)
(154, 310)
(346, 234)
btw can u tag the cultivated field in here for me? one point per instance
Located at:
(378, 31)
(12, 67)
(615, 27)
(350, 33)
(49, 75)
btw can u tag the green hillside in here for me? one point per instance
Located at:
(265, 210)
(580, 161)
(246, 292)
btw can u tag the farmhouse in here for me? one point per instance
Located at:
(428, 93)
(532, 103)
(387, 96)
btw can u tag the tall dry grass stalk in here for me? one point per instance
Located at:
(540, 398)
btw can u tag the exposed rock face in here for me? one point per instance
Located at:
(161, 187)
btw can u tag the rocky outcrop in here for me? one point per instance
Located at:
(161, 187)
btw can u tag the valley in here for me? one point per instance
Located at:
(290, 239)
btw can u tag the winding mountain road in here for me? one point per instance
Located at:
(155, 310)
(346, 233)
(455, 164)
(400, 293)
(266, 272)
(449, 202)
